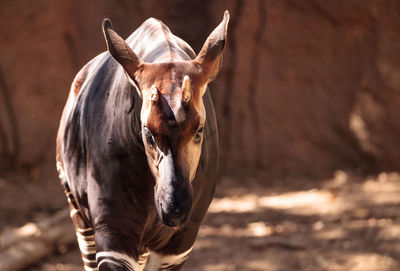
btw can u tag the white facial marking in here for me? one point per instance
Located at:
(200, 106)
(144, 115)
(192, 151)
(192, 154)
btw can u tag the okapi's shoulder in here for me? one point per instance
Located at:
(153, 41)
(81, 78)
(86, 72)
(153, 24)
(152, 21)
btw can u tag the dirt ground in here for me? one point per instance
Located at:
(343, 223)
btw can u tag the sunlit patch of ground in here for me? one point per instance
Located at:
(342, 223)
(304, 202)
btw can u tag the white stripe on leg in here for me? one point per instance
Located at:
(87, 245)
(118, 258)
(158, 261)
(87, 268)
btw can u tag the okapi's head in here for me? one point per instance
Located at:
(172, 116)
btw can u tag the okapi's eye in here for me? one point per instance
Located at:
(148, 135)
(199, 133)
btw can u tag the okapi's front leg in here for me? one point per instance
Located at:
(164, 262)
(120, 261)
(84, 234)
(173, 256)
(83, 230)
(116, 261)
(113, 249)
(117, 237)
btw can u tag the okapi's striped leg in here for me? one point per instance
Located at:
(120, 261)
(159, 262)
(84, 233)
(143, 260)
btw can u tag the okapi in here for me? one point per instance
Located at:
(136, 155)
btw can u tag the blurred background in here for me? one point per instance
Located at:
(308, 105)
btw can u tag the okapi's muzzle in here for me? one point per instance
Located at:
(173, 193)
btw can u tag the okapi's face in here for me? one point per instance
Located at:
(172, 117)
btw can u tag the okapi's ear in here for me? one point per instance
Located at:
(210, 56)
(120, 50)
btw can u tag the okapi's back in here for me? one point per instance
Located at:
(153, 42)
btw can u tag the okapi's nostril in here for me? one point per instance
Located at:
(174, 218)
(174, 212)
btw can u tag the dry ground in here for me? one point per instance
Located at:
(343, 223)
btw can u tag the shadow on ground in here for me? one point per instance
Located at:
(343, 223)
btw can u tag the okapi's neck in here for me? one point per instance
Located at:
(122, 109)
(134, 114)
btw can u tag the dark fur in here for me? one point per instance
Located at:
(101, 149)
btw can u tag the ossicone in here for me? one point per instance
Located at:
(186, 89)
